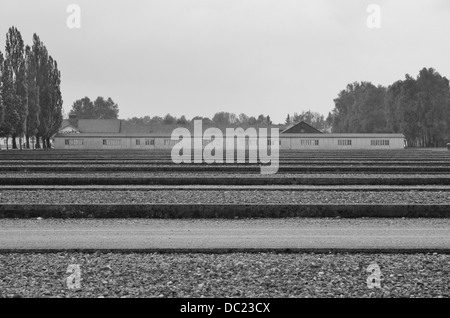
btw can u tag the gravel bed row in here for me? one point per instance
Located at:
(224, 275)
(224, 166)
(221, 197)
(190, 223)
(169, 161)
(231, 187)
(201, 174)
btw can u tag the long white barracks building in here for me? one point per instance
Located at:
(118, 134)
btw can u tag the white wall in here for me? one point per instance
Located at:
(293, 143)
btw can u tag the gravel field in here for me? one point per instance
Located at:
(189, 223)
(190, 275)
(231, 187)
(83, 165)
(222, 197)
(200, 174)
(224, 275)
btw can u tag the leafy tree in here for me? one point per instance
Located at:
(99, 109)
(56, 102)
(243, 119)
(360, 109)
(169, 120)
(83, 109)
(16, 104)
(182, 120)
(252, 121)
(32, 121)
(42, 81)
(106, 109)
(224, 118)
(261, 120)
(8, 98)
(288, 120)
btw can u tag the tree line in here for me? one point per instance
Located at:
(417, 107)
(103, 108)
(220, 118)
(30, 95)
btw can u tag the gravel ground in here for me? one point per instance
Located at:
(222, 197)
(226, 223)
(84, 165)
(231, 187)
(200, 174)
(224, 275)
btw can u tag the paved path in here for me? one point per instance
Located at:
(220, 235)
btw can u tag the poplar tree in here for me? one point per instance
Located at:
(9, 112)
(33, 95)
(16, 104)
(55, 107)
(42, 78)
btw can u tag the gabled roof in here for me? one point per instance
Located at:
(301, 128)
(120, 128)
(99, 125)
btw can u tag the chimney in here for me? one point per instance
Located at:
(73, 120)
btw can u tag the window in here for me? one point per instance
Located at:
(74, 142)
(149, 142)
(138, 142)
(272, 142)
(170, 142)
(309, 142)
(112, 142)
(344, 142)
(377, 143)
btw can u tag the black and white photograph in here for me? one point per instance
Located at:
(224, 156)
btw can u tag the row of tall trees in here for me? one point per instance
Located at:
(30, 95)
(417, 107)
(220, 118)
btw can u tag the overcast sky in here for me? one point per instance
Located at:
(198, 57)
